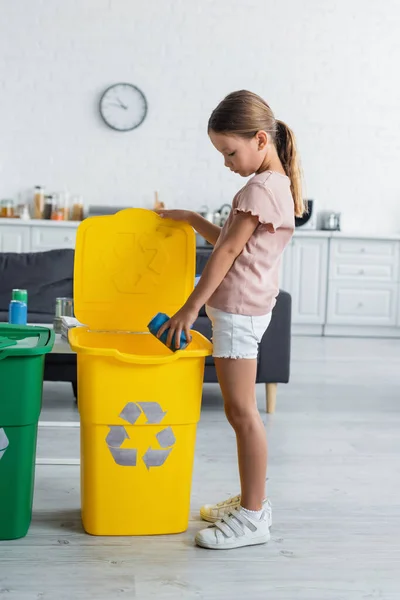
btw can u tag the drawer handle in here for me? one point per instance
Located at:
(361, 272)
(67, 239)
(360, 304)
(362, 250)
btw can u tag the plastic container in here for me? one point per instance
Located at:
(139, 402)
(154, 326)
(22, 351)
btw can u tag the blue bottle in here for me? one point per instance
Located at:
(17, 313)
(154, 327)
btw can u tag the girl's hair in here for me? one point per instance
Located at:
(244, 114)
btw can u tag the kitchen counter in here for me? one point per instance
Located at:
(346, 234)
(39, 223)
(299, 232)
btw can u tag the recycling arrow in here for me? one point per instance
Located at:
(166, 438)
(153, 412)
(130, 413)
(3, 442)
(116, 436)
(155, 458)
(126, 457)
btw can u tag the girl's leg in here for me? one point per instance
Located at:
(237, 379)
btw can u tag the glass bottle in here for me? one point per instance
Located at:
(77, 209)
(38, 202)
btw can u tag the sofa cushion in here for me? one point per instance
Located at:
(46, 276)
(203, 325)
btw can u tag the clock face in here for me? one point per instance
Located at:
(123, 107)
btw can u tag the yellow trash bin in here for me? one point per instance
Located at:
(139, 402)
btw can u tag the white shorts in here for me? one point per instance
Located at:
(236, 336)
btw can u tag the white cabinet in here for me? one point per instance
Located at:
(49, 238)
(304, 276)
(357, 304)
(36, 236)
(14, 239)
(363, 285)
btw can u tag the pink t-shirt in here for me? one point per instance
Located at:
(252, 284)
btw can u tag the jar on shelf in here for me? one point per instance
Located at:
(38, 202)
(7, 209)
(77, 208)
(63, 206)
(58, 212)
(48, 207)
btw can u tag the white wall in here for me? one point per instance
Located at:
(329, 68)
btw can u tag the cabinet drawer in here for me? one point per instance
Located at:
(354, 304)
(351, 271)
(51, 238)
(380, 251)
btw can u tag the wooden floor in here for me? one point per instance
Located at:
(334, 480)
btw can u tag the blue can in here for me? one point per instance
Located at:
(155, 325)
(17, 313)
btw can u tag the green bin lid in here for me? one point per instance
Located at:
(6, 342)
(28, 340)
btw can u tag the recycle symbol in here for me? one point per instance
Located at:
(3, 442)
(127, 457)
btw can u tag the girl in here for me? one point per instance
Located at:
(239, 287)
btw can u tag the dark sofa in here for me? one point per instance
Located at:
(48, 275)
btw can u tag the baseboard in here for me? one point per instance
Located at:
(361, 331)
(312, 330)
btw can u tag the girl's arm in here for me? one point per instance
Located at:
(220, 262)
(208, 230)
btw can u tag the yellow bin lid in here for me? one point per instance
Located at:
(129, 267)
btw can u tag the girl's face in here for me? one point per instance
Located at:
(241, 155)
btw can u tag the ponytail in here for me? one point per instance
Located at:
(287, 151)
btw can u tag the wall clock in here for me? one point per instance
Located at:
(123, 107)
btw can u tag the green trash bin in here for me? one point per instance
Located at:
(22, 351)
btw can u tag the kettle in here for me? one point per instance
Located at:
(331, 221)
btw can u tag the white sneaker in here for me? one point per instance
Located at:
(235, 530)
(214, 512)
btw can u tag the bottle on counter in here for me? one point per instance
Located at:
(63, 206)
(18, 308)
(38, 202)
(77, 208)
(25, 214)
(48, 207)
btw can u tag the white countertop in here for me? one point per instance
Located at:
(347, 234)
(298, 233)
(39, 223)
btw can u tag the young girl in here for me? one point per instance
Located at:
(239, 287)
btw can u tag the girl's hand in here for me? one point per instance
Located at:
(181, 321)
(175, 215)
